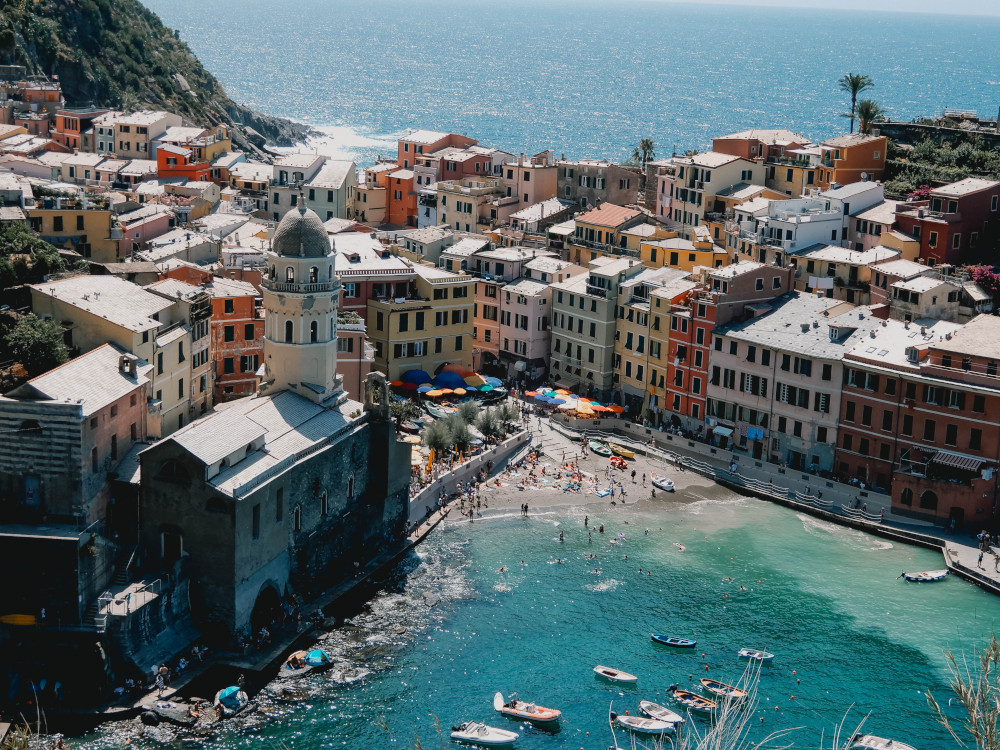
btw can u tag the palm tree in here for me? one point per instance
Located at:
(868, 112)
(854, 84)
(645, 151)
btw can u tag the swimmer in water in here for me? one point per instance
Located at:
(503, 569)
(743, 588)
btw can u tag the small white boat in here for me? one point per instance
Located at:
(723, 690)
(925, 576)
(656, 711)
(522, 710)
(755, 654)
(871, 742)
(679, 546)
(615, 675)
(478, 733)
(642, 725)
(662, 483)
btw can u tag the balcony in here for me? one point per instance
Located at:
(788, 161)
(597, 291)
(294, 288)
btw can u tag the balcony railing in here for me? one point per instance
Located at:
(597, 291)
(280, 286)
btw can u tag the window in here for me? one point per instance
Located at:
(906, 496)
(929, 429)
(907, 428)
(288, 331)
(248, 332)
(734, 348)
(758, 284)
(951, 434)
(229, 306)
(848, 442)
(227, 365)
(975, 439)
(229, 333)
(279, 505)
(255, 522)
(866, 416)
(821, 436)
(458, 343)
(180, 388)
(827, 372)
(887, 420)
(929, 500)
(849, 411)
(979, 404)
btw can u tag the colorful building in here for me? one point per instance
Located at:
(851, 158)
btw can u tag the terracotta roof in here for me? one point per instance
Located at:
(608, 215)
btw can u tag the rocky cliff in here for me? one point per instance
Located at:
(118, 53)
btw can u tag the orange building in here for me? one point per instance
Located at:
(401, 198)
(851, 158)
(177, 161)
(759, 143)
(427, 142)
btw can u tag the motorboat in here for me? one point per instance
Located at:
(621, 450)
(669, 640)
(723, 690)
(754, 654)
(661, 482)
(925, 576)
(301, 663)
(693, 701)
(644, 725)
(599, 448)
(656, 711)
(619, 463)
(515, 708)
(476, 732)
(408, 425)
(231, 700)
(871, 742)
(615, 675)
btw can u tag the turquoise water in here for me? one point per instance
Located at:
(824, 599)
(587, 78)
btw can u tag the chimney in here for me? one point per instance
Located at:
(805, 327)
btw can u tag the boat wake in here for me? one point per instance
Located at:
(856, 540)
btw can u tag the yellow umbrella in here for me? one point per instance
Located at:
(475, 380)
(459, 391)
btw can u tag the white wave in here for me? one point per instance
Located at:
(609, 585)
(344, 142)
(858, 540)
(502, 587)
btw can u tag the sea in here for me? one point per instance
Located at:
(503, 605)
(586, 78)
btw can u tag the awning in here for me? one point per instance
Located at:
(723, 431)
(957, 461)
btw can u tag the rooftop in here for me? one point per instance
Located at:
(175, 288)
(736, 269)
(360, 254)
(92, 380)
(539, 211)
(765, 135)
(332, 174)
(608, 215)
(709, 159)
(905, 269)
(465, 247)
(179, 134)
(894, 337)
(741, 191)
(116, 300)
(429, 234)
(526, 287)
(143, 117)
(437, 275)
(837, 254)
(424, 137)
(853, 139)
(883, 213)
(979, 337)
(297, 160)
(919, 284)
(965, 187)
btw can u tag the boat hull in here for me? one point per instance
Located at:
(723, 690)
(615, 675)
(669, 640)
(480, 734)
(656, 711)
(926, 576)
(756, 655)
(694, 702)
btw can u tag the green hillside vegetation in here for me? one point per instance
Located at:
(939, 162)
(118, 53)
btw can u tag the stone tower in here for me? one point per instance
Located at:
(301, 293)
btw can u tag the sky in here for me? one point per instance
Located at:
(965, 7)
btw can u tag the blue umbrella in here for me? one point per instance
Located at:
(425, 388)
(416, 376)
(495, 382)
(541, 397)
(557, 401)
(449, 379)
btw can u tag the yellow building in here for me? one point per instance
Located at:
(662, 301)
(683, 254)
(602, 232)
(84, 225)
(431, 329)
(908, 247)
(839, 272)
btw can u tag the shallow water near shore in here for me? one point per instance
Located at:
(450, 629)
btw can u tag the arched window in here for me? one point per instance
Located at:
(906, 497)
(350, 486)
(272, 275)
(324, 503)
(172, 471)
(329, 272)
(929, 500)
(313, 275)
(297, 518)
(314, 332)
(290, 274)
(288, 331)
(332, 332)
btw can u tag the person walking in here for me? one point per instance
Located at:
(633, 476)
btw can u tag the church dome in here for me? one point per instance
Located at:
(301, 234)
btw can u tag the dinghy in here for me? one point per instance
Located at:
(615, 675)
(478, 733)
(621, 450)
(642, 725)
(723, 690)
(754, 654)
(599, 448)
(693, 701)
(523, 711)
(662, 483)
(656, 711)
(925, 576)
(669, 640)
(871, 742)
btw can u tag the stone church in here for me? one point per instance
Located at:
(281, 492)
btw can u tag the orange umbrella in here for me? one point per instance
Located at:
(531, 393)
(598, 407)
(443, 391)
(395, 383)
(459, 391)
(434, 394)
(616, 409)
(463, 371)
(564, 392)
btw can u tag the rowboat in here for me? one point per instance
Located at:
(669, 640)
(621, 450)
(301, 663)
(925, 576)
(599, 448)
(521, 710)
(642, 725)
(723, 690)
(478, 733)
(693, 701)
(615, 675)
(755, 654)
(410, 426)
(230, 700)
(662, 483)
(619, 463)
(656, 711)
(871, 742)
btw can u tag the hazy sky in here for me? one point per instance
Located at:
(965, 7)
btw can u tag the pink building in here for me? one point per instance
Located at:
(142, 225)
(368, 271)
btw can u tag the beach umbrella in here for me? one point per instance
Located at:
(584, 409)
(475, 380)
(570, 406)
(460, 391)
(395, 383)
(598, 407)
(596, 403)
(564, 392)
(495, 382)
(616, 409)
(541, 397)
(531, 393)
(458, 369)
(416, 376)
(486, 388)
(445, 391)
(424, 389)
(557, 401)
(408, 387)
(434, 394)
(449, 380)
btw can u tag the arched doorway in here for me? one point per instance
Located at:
(266, 609)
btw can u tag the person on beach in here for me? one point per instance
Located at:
(633, 476)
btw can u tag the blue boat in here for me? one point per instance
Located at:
(669, 640)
